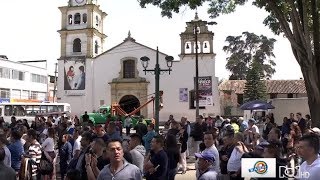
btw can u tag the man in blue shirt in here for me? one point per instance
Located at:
(156, 163)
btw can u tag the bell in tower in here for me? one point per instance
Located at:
(197, 36)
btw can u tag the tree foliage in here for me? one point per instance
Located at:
(245, 49)
(298, 20)
(255, 88)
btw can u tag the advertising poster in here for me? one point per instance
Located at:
(183, 94)
(74, 76)
(205, 91)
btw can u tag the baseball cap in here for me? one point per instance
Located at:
(206, 155)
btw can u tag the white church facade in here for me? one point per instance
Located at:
(91, 77)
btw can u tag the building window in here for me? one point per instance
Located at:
(97, 20)
(77, 45)
(273, 95)
(84, 18)
(25, 94)
(16, 94)
(69, 19)
(77, 18)
(240, 99)
(290, 95)
(39, 78)
(4, 93)
(4, 72)
(192, 100)
(18, 75)
(34, 95)
(96, 46)
(129, 69)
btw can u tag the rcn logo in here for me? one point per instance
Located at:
(292, 172)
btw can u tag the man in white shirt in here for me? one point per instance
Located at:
(308, 149)
(77, 143)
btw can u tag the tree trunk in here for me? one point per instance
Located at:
(312, 83)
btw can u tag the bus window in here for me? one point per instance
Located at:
(8, 110)
(29, 110)
(0, 111)
(60, 108)
(36, 109)
(50, 108)
(43, 109)
(19, 110)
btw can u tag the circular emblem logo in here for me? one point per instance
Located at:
(260, 167)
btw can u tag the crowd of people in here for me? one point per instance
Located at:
(217, 145)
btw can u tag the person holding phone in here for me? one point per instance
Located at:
(156, 163)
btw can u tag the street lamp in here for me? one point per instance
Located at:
(196, 24)
(145, 62)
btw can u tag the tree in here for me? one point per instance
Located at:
(298, 20)
(255, 88)
(247, 48)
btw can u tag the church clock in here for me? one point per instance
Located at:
(80, 1)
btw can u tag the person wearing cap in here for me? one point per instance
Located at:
(205, 166)
(3, 144)
(6, 172)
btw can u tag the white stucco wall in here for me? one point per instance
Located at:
(285, 106)
(107, 66)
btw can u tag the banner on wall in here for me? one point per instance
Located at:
(25, 100)
(4, 100)
(74, 76)
(205, 91)
(183, 94)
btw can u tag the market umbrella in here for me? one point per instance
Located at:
(256, 104)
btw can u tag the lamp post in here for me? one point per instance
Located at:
(157, 70)
(196, 24)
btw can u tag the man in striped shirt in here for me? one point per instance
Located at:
(34, 152)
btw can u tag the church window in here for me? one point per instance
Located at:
(97, 20)
(128, 69)
(77, 18)
(84, 18)
(96, 46)
(77, 45)
(69, 19)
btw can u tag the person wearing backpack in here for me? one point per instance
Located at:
(65, 153)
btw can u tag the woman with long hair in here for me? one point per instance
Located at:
(173, 152)
(48, 151)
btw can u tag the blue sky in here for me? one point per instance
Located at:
(29, 31)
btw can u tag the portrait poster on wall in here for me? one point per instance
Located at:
(205, 91)
(183, 94)
(74, 76)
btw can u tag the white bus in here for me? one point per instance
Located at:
(30, 110)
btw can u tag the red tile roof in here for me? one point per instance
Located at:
(273, 86)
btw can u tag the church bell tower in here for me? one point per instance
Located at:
(81, 29)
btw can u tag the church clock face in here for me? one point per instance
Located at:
(80, 1)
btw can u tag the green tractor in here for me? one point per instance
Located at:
(104, 111)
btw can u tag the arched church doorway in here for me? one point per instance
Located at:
(129, 103)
